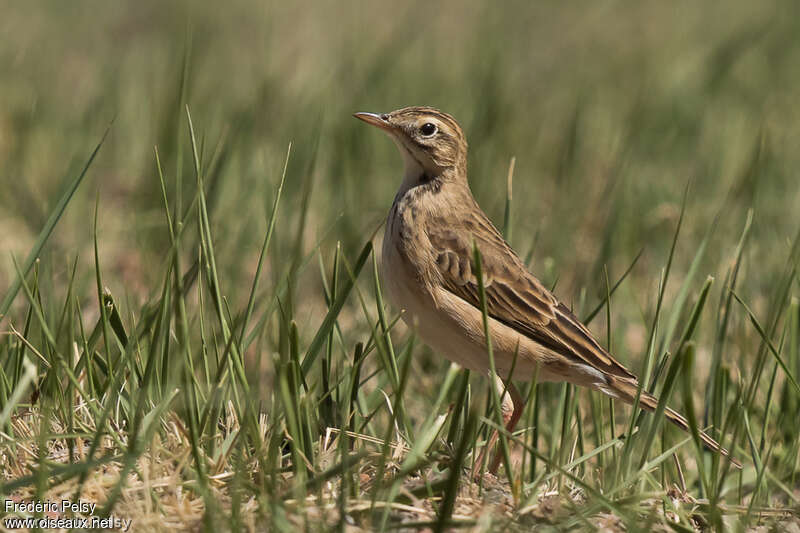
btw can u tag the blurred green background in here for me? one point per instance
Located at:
(610, 109)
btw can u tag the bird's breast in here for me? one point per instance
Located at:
(405, 255)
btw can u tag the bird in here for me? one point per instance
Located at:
(428, 272)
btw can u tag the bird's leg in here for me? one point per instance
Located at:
(511, 407)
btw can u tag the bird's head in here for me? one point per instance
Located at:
(431, 142)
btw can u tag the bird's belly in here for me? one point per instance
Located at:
(420, 313)
(438, 331)
(453, 328)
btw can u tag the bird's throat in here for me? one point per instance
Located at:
(414, 172)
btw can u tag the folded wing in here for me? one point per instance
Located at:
(513, 295)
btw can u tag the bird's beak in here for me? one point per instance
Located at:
(381, 121)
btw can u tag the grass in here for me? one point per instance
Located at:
(196, 337)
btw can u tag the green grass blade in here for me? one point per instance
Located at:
(44, 235)
(333, 312)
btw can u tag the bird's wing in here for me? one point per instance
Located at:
(513, 295)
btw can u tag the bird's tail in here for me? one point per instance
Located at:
(626, 391)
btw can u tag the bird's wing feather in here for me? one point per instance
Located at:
(513, 295)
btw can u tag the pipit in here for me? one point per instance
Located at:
(428, 271)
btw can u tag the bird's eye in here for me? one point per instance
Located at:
(428, 129)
